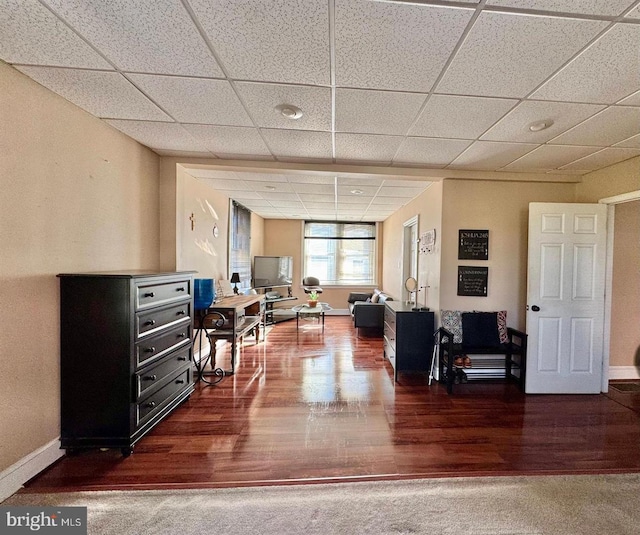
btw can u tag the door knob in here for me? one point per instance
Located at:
(535, 308)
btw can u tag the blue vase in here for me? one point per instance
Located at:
(204, 293)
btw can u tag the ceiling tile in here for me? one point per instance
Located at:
(269, 40)
(170, 136)
(270, 187)
(631, 100)
(261, 176)
(514, 125)
(363, 180)
(451, 116)
(604, 158)
(394, 45)
(229, 139)
(311, 179)
(586, 7)
(634, 13)
(348, 200)
(261, 101)
(142, 36)
(31, 34)
(278, 196)
(430, 151)
(224, 184)
(490, 155)
(299, 143)
(419, 183)
(242, 195)
(605, 72)
(500, 45)
(631, 143)
(194, 100)
(327, 189)
(548, 157)
(397, 191)
(610, 126)
(384, 202)
(103, 94)
(346, 192)
(376, 112)
(367, 147)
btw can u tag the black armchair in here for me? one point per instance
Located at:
(310, 284)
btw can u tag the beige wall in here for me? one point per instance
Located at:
(625, 305)
(610, 181)
(197, 248)
(502, 208)
(428, 207)
(77, 195)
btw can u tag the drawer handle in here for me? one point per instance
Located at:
(181, 312)
(149, 378)
(182, 335)
(180, 289)
(182, 358)
(179, 381)
(150, 322)
(150, 405)
(149, 294)
(150, 349)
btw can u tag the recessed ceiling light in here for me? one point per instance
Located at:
(357, 191)
(540, 125)
(270, 188)
(289, 111)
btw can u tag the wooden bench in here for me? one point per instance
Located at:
(498, 353)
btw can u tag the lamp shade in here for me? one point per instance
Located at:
(235, 277)
(204, 292)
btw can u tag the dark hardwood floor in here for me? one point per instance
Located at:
(311, 407)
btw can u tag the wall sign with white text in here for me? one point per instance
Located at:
(473, 245)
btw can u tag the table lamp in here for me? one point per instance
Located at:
(235, 278)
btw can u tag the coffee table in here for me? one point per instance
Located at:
(306, 310)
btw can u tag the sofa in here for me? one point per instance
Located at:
(367, 309)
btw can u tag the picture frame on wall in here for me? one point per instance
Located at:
(473, 244)
(473, 280)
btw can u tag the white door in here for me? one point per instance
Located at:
(565, 298)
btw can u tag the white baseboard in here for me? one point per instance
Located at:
(623, 372)
(12, 479)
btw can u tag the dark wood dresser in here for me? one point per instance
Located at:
(408, 338)
(126, 354)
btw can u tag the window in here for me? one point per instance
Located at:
(340, 253)
(240, 244)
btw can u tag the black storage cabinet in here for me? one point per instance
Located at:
(408, 338)
(126, 354)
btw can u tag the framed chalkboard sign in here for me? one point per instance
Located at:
(472, 280)
(473, 245)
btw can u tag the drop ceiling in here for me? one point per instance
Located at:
(395, 85)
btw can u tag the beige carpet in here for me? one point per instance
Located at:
(554, 505)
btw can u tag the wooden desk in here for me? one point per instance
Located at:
(244, 313)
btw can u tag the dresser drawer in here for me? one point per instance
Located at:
(154, 293)
(149, 378)
(156, 401)
(158, 318)
(390, 318)
(154, 347)
(389, 348)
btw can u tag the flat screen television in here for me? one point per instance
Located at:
(271, 271)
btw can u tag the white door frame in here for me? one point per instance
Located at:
(608, 276)
(409, 261)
